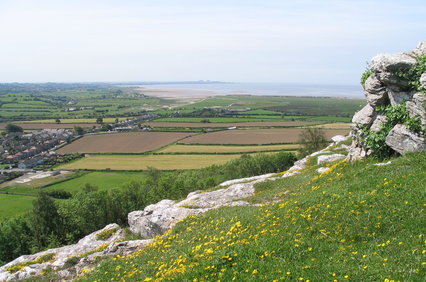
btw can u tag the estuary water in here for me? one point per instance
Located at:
(269, 89)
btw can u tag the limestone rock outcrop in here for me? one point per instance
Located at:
(389, 84)
(32, 265)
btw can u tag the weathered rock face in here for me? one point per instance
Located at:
(84, 249)
(388, 86)
(402, 140)
(156, 219)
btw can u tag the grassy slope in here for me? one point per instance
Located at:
(12, 205)
(358, 222)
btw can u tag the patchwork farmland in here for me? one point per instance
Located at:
(132, 142)
(258, 136)
(231, 124)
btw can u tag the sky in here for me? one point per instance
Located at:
(303, 41)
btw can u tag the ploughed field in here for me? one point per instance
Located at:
(221, 149)
(258, 136)
(131, 142)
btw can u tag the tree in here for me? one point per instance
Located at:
(99, 120)
(46, 220)
(106, 127)
(58, 121)
(78, 130)
(312, 139)
(10, 127)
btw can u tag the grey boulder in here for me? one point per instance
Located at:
(402, 140)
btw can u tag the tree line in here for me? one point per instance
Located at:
(53, 223)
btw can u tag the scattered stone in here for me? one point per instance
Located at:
(339, 138)
(330, 158)
(382, 164)
(323, 169)
(126, 247)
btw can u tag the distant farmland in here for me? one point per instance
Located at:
(258, 136)
(231, 124)
(51, 125)
(132, 142)
(227, 149)
(143, 162)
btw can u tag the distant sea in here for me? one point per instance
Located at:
(270, 89)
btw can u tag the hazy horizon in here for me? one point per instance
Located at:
(304, 42)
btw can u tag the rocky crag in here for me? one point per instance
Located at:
(394, 119)
(71, 261)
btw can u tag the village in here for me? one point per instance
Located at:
(22, 152)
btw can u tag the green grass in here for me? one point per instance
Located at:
(357, 222)
(103, 180)
(13, 205)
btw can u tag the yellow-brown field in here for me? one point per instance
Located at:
(336, 125)
(142, 162)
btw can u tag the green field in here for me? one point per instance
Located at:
(103, 180)
(75, 183)
(275, 105)
(143, 162)
(13, 205)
